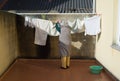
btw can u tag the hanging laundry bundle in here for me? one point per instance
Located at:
(76, 25)
(46, 27)
(41, 28)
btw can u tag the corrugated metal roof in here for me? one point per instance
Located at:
(45, 6)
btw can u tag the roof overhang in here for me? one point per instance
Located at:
(54, 6)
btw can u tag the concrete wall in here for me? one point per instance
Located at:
(8, 40)
(80, 42)
(106, 55)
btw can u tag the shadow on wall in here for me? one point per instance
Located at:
(82, 46)
(27, 47)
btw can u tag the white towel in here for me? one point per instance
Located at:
(42, 27)
(40, 36)
(92, 25)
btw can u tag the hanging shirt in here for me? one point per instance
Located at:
(75, 26)
(92, 25)
(41, 29)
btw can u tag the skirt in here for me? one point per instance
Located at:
(64, 50)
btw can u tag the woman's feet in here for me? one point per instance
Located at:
(68, 66)
(64, 67)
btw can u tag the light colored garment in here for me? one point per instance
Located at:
(45, 25)
(75, 26)
(52, 31)
(40, 30)
(40, 36)
(92, 25)
(42, 27)
(28, 22)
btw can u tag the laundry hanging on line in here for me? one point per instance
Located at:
(46, 27)
(92, 25)
(75, 26)
(41, 28)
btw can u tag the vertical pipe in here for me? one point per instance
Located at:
(94, 6)
(118, 36)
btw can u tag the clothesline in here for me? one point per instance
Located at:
(24, 14)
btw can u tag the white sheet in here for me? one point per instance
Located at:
(92, 25)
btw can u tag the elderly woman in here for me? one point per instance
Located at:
(64, 43)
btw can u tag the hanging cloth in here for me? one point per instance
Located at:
(75, 26)
(41, 28)
(92, 25)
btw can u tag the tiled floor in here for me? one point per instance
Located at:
(49, 70)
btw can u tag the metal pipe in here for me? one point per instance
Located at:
(94, 6)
